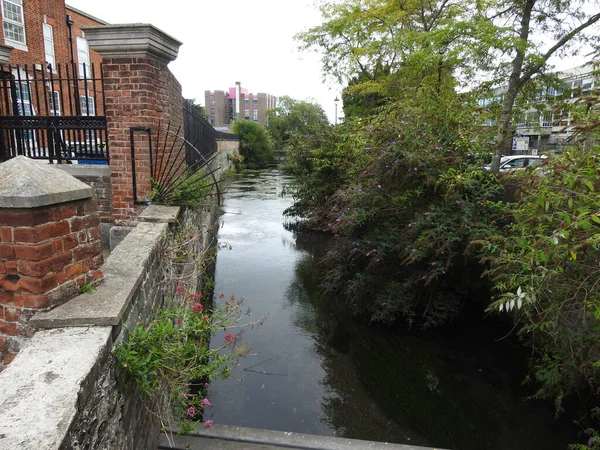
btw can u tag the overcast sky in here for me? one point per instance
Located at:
(232, 40)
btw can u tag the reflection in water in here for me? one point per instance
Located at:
(314, 370)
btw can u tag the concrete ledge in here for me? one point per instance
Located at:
(85, 170)
(232, 437)
(40, 388)
(160, 214)
(132, 40)
(124, 270)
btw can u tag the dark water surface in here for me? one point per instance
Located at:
(313, 370)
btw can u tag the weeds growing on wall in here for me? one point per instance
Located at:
(193, 189)
(171, 360)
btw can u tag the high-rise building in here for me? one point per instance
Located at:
(224, 107)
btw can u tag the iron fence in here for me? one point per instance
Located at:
(200, 135)
(53, 113)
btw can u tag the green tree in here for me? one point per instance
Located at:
(537, 30)
(256, 145)
(294, 118)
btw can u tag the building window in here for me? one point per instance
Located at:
(247, 114)
(14, 22)
(24, 99)
(88, 107)
(255, 115)
(54, 103)
(49, 45)
(83, 56)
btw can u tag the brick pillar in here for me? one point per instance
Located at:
(139, 91)
(49, 244)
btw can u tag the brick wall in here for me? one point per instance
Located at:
(52, 12)
(139, 92)
(46, 254)
(98, 178)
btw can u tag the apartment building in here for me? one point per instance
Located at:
(47, 44)
(224, 107)
(543, 127)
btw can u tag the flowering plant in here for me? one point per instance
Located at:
(171, 360)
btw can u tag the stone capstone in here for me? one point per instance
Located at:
(41, 387)
(132, 40)
(25, 183)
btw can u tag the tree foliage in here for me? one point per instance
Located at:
(294, 118)
(256, 144)
(415, 219)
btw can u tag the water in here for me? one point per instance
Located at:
(313, 370)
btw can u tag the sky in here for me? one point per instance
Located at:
(225, 41)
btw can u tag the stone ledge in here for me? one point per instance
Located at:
(160, 214)
(25, 183)
(233, 437)
(85, 170)
(131, 41)
(124, 270)
(41, 387)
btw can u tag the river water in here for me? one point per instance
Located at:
(313, 370)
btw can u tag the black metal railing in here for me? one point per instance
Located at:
(200, 134)
(53, 113)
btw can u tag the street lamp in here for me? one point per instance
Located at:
(336, 103)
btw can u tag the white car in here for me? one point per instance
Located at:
(518, 162)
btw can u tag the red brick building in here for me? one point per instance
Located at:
(39, 32)
(47, 42)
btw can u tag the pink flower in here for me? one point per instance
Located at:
(228, 337)
(199, 344)
(208, 424)
(179, 320)
(181, 395)
(221, 295)
(205, 402)
(191, 411)
(180, 290)
(198, 307)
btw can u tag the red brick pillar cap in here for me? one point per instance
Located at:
(25, 183)
(135, 40)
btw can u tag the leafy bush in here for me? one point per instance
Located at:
(256, 145)
(397, 191)
(545, 268)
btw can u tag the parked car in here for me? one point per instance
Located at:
(518, 162)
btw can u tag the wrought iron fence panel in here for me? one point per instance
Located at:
(53, 113)
(200, 135)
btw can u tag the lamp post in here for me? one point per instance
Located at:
(336, 100)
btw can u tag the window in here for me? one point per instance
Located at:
(24, 99)
(14, 22)
(49, 45)
(54, 103)
(255, 115)
(88, 107)
(83, 56)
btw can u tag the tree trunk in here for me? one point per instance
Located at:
(514, 84)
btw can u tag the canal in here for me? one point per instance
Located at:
(312, 369)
